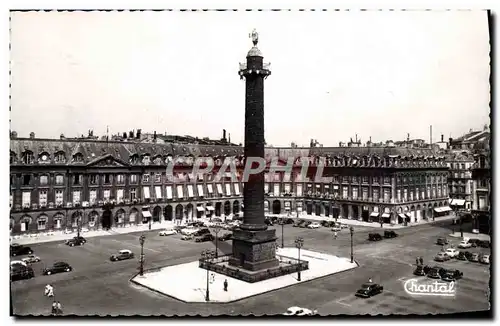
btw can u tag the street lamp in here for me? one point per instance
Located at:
(299, 242)
(148, 200)
(282, 223)
(352, 233)
(142, 238)
(217, 229)
(206, 255)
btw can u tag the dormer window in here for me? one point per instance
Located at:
(44, 157)
(157, 160)
(146, 160)
(134, 159)
(28, 157)
(60, 157)
(13, 158)
(78, 158)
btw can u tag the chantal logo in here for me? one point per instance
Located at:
(435, 288)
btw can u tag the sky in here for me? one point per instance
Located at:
(378, 74)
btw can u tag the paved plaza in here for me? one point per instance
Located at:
(98, 286)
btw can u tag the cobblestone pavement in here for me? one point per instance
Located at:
(98, 286)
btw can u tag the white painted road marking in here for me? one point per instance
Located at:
(343, 303)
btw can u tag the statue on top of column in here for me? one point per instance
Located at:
(254, 36)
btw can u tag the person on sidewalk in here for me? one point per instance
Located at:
(335, 234)
(54, 308)
(225, 285)
(49, 291)
(59, 308)
(421, 260)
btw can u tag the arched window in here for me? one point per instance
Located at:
(13, 157)
(78, 158)
(60, 157)
(44, 157)
(28, 157)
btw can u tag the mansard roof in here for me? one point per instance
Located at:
(92, 150)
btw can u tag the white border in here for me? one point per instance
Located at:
(149, 4)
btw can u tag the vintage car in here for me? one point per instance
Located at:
(374, 237)
(122, 255)
(59, 267)
(31, 259)
(368, 290)
(298, 311)
(164, 233)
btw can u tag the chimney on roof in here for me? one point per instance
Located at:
(62, 137)
(13, 134)
(223, 134)
(131, 134)
(229, 140)
(442, 138)
(124, 135)
(154, 135)
(32, 135)
(138, 135)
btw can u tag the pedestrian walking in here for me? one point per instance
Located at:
(416, 261)
(59, 308)
(49, 291)
(225, 285)
(421, 260)
(54, 308)
(335, 235)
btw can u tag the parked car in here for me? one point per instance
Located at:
(484, 259)
(20, 272)
(298, 311)
(122, 255)
(442, 241)
(31, 259)
(201, 232)
(484, 244)
(451, 275)
(442, 256)
(197, 224)
(59, 267)
(325, 223)
(374, 237)
(435, 272)
(163, 233)
(269, 221)
(189, 230)
(390, 234)
(80, 238)
(18, 250)
(474, 257)
(463, 255)
(226, 236)
(74, 242)
(299, 223)
(205, 237)
(474, 242)
(368, 290)
(465, 244)
(187, 237)
(306, 224)
(314, 225)
(452, 252)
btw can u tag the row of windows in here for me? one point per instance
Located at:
(169, 192)
(94, 179)
(228, 189)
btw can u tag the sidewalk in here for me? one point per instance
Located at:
(469, 235)
(373, 224)
(61, 235)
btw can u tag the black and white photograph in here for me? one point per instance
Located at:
(290, 163)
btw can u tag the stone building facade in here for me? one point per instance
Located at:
(56, 183)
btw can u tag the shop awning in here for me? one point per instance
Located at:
(200, 208)
(299, 209)
(374, 214)
(408, 214)
(401, 215)
(457, 202)
(146, 214)
(210, 208)
(287, 208)
(386, 215)
(445, 208)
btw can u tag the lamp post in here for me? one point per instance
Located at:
(352, 233)
(217, 229)
(282, 223)
(299, 242)
(148, 200)
(206, 255)
(142, 238)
